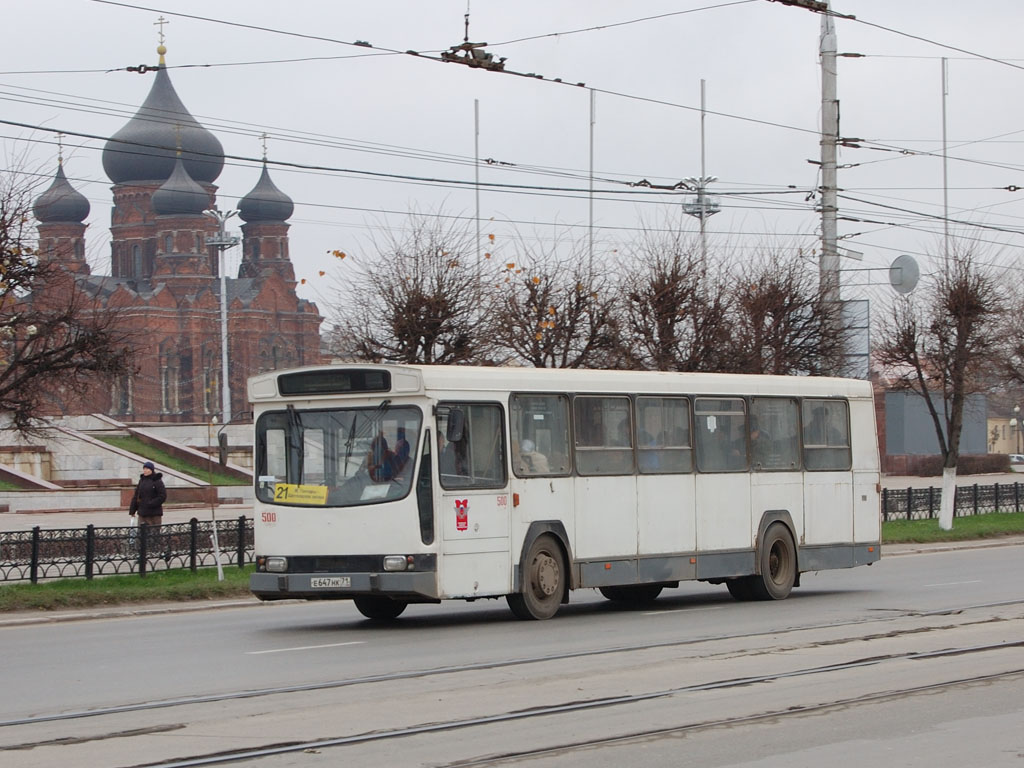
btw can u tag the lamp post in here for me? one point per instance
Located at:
(1015, 426)
(222, 241)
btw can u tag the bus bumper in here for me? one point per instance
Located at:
(339, 586)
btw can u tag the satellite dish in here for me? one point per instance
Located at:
(904, 274)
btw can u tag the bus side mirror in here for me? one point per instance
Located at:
(456, 425)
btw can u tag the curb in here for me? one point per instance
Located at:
(22, 618)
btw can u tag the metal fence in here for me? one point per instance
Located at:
(924, 503)
(91, 551)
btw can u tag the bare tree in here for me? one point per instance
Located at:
(672, 306)
(552, 310)
(417, 300)
(53, 335)
(779, 322)
(943, 345)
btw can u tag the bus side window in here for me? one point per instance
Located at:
(663, 435)
(826, 435)
(774, 427)
(604, 435)
(540, 435)
(721, 434)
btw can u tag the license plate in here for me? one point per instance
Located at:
(329, 582)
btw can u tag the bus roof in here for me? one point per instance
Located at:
(411, 379)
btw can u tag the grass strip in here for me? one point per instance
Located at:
(157, 586)
(970, 527)
(198, 469)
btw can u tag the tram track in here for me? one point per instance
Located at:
(441, 728)
(683, 686)
(214, 698)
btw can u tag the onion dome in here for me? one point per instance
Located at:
(144, 149)
(180, 195)
(61, 202)
(265, 202)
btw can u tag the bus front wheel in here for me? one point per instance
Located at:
(379, 607)
(778, 565)
(543, 581)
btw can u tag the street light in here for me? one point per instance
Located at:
(1015, 425)
(222, 241)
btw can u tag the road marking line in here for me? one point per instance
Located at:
(681, 610)
(304, 648)
(953, 583)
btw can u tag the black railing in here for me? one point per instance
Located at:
(91, 551)
(924, 503)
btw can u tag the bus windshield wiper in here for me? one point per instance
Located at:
(295, 440)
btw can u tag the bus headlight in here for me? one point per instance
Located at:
(396, 562)
(277, 564)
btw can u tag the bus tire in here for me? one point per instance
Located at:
(637, 594)
(379, 607)
(778, 565)
(741, 588)
(543, 581)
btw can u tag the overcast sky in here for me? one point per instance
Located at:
(245, 68)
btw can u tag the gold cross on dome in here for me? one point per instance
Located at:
(160, 23)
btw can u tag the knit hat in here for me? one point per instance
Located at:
(149, 465)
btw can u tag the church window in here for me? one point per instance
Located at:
(136, 261)
(168, 244)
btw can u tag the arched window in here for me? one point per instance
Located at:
(168, 244)
(121, 396)
(255, 250)
(136, 261)
(199, 242)
(170, 377)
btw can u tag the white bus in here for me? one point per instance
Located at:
(398, 484)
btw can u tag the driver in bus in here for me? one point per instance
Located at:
(380, 462)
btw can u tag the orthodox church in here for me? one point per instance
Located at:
(164, 284)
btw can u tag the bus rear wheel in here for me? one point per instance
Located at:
(380, 607)
(778, 565)
(637, 594)
(544, 575)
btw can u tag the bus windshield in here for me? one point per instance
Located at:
(336, 457)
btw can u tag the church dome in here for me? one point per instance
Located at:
(144, 149)
(265, 202)
(180, 195)
(61, 202)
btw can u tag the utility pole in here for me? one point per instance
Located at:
(222, 241)
(704, 206)
(829, 263)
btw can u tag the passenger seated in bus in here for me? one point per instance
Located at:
(647, 456)
(760, 442)
(402, 450)
(535, 462)
(380, 464)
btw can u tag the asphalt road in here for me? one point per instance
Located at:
(915, 660)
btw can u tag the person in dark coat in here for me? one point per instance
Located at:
(150, 495)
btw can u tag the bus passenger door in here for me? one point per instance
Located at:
(473, 501)
(541, 480)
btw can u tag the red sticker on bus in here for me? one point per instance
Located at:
(461, 514)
